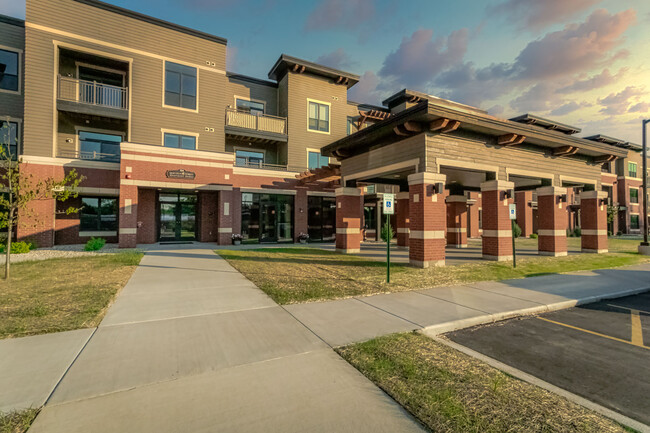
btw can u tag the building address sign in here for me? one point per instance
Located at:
(180, 174)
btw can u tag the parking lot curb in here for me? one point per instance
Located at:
(621, 419)
(455, 325)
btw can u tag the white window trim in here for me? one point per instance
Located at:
(19, 134)
(81, 128)
(247, 98)
(177, 132)
(312, 149)
(329, 116)
(189, 110)
(20, 70)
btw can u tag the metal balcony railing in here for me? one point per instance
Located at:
(92, 93)
(91, 156)
(242, 161)
(256, 122)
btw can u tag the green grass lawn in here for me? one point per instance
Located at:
(291, 275)
(61, 294)
(18, 421)
(449, 391)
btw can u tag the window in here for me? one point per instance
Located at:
(249, 158)
(631, 169)
(351, 125)
(370, 218)
(634, 222)
(9, 138)
(9, 70)
(316, 160)
(93, 145)
(251, 107)
(180, 86)
(180, 141)
(98, 214)
(634, 195)
(319, 117)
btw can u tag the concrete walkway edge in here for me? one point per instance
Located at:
(621, 419)
(455, 325)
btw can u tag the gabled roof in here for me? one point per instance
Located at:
(531, 119)
(151, 20)
(286, 63)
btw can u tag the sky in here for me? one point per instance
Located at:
(585, 63)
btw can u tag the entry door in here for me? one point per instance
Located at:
(268, 222)
(177, 217)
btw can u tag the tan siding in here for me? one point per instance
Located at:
(526, 158)
(300, 88)
(13, 37)
(259, 92)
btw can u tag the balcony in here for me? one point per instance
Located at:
(255, 127)
(89, 97)
(88, 156)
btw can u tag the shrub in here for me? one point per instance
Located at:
(569, 233)
(516, 230)
(19, 247)
(387, 232)
(577, 232)
(533, 235)
(95, 244)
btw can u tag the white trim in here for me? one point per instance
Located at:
(427, 234)
(20, 68)
(225, 230)
(403, 230)
(578, 180)
(496, 185)
(553, 233)
(593, 232)
(453, 163)
(174, 107)
(164, 131)
(176, 185)
(320, 194)
(528, 174)
(119, 47)
(347, 231)
(269, 191)
(347, 191)
(497, 233)
(128, 231)
(456, 230)
(69, 162)
(260, 172)
(109, 192)
(172, 151)
(172, 160)
(96, 234)
(329, 116)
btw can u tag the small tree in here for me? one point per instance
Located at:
(612, 213)
(20, 189)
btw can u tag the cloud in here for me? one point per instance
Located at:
(641, 107)
(366, 90)
(496, 110)
(603, 79)
(619, 103)
(536, 15)
(340, 14)
(540, 97)
(569, 107)
(420, 58)
(337, 59)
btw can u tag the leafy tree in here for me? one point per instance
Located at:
(20, 190)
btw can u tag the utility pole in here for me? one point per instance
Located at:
(644, 245)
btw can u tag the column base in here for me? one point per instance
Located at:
(552, 253)
(592, 251)
(348, 251)
(497, 258)
(457, 245)
(644, 250)
(427, 264)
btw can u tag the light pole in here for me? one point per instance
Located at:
(644, 244)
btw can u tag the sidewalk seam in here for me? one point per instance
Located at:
(391, 313)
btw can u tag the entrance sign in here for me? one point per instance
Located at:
(513, 211)
(389, 204)
(180, 174)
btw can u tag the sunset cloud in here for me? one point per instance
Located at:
(337, 59)
(536, 14)
(340, 14)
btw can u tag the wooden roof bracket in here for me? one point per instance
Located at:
(604, 158)
(438, 124)
(565, 151)
(452, 126)
(510, 139)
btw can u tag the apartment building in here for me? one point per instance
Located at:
(175, 148)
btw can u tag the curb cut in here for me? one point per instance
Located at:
(620, 418)
(442, 328)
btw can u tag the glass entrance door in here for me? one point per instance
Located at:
(268, 216)
(177, 217)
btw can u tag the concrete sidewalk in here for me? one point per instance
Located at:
(445, 309)
(191, 345)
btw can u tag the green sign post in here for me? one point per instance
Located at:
(387, 230)
(513, 216)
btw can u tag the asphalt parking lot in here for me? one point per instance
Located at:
(599, 351)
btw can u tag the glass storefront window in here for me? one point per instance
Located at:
(321, 218)
(267, 218)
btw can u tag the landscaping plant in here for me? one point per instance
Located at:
(95, 244)
(516, 230)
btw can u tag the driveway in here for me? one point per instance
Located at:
(600, 351)
(192, 345)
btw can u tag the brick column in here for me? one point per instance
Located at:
(427, 220)
(524, 212)
(497, 228)
(402, 214)
(593, 216)
(349, 212)
(225, 218)
(457, 221)
(128, 220)
(207, 213)
(300, 213)
(552, 214)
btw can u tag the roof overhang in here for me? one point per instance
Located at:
(287, 63)
(542, 122)
(428, 114)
